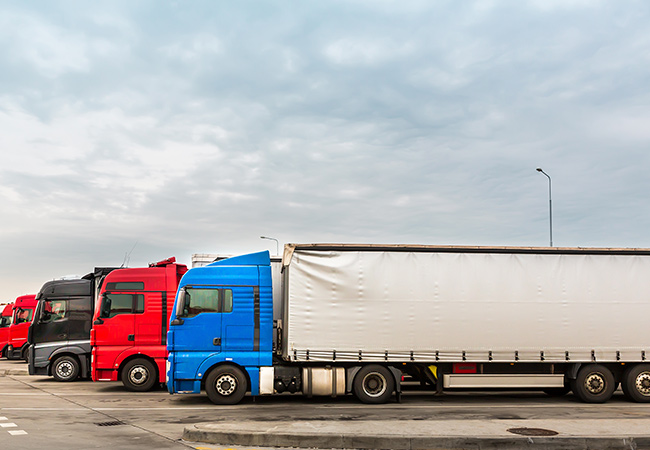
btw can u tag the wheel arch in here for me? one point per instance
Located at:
(352, 371)
(130, 358)
(226, 363)
(76, 352)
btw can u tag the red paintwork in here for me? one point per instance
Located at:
(23, 307)
(109, 340)
(7, 311)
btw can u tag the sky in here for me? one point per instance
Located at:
(135, 131)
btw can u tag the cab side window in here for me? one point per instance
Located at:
(23, 315)
(201, 300)
(114, 304)
(54, 310)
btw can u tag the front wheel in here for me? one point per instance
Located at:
(139, 375)
(636, 383)
(594, 384)
(226, 385)
(65, 368)
(373, 384)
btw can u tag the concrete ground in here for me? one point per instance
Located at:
(38, 412)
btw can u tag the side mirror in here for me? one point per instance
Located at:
(180, 303)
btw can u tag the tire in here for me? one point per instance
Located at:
(25, 354)
(139, 375)
(636, 383)
(226, 385)
(594, 384)
(65, 368)
(373, 384)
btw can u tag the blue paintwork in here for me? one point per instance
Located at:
(192, 352)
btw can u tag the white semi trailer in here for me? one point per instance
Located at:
(474, 317)
(355, 318)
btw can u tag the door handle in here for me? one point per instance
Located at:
(130, 337)
(216, 341)
(62, 336)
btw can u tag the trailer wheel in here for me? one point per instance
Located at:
(226, 385)
(139, 375)
(594, 384)
(65, 368)
(636, 383)
(373, 384)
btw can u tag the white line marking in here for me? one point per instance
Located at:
(26, 393)
(17, 432)
(8, 425)
(45, 409)
(3, 418)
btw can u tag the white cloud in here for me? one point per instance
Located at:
(51, 50)
(199, 129)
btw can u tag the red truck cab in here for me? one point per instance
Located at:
(22, 319)
(129, 334)
(6, 313)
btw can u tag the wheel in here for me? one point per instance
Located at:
(139, 375)
(594, 384)
(25, 354)
(373, 384)
(65, 368)
(636, 383)
(226, 385)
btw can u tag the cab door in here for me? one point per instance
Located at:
(115, 328)
(214, 321)
(199, 323)
(52, 323)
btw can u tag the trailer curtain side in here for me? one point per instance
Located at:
(351, 304)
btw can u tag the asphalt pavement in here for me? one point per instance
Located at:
(17, 367)
(453, 421)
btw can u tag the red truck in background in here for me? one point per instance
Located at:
(6, 312)
(129, 333)
(22, 319)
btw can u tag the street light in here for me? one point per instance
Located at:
(277, 244)
(550, 205)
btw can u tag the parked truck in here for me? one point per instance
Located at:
(59, 338)
(6, 313)
(356, 318)
(129, 334)
(18, 330)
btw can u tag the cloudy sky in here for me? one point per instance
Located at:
(173, 128)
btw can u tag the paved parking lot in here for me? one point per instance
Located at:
(38, 412)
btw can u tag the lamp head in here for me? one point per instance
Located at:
(539, 169)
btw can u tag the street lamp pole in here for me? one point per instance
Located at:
(277, 244)
(550, 205)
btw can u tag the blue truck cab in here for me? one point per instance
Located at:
(221, 329)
